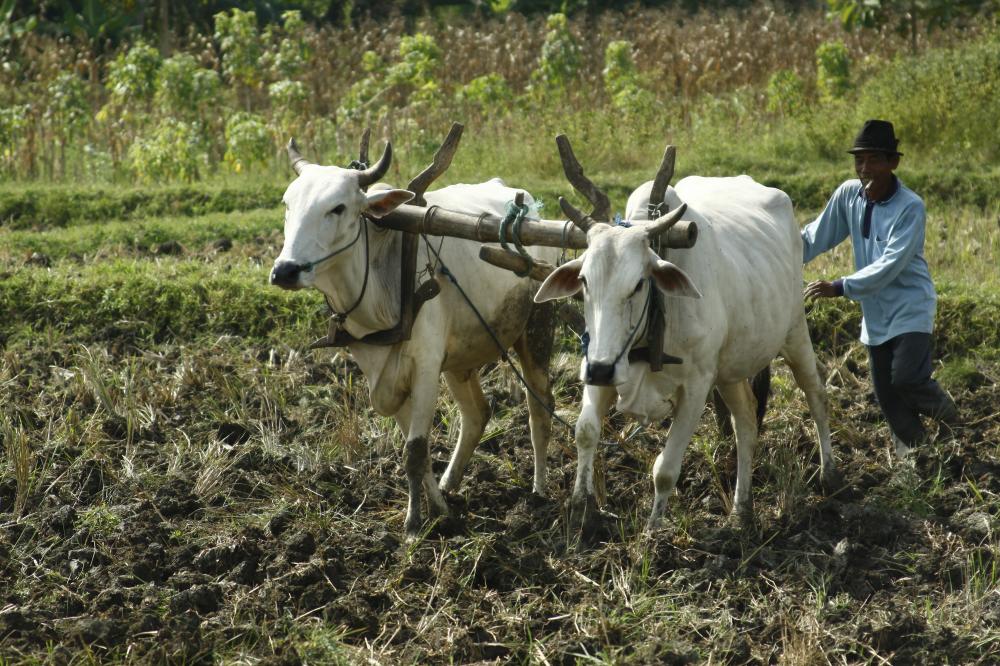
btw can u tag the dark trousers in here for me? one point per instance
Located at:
(901, 375)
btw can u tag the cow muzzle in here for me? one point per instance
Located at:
(287, 274)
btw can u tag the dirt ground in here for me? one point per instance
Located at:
(247, 548)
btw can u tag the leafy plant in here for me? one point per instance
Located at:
(241, 47)
(621, 79)
(785, 93)
(408, 81)
(174, 150)
(413, 75)
(288, 104)
(183, 88)
(489, 92)
(293, 51)
(833, 70)
(13, 122)
(366, 90)
(247, 141)
(559, 61)
(131, 77)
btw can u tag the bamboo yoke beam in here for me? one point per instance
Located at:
(436, 221)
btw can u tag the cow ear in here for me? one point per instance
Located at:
(562, 282)
(380, 204)
(673, 281)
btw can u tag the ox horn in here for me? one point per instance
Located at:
(663, 177)
(375, 172)
(663, 223)
(580, 182)
(578, 217)
(295, 157)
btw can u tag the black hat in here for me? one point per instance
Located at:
(876, 135)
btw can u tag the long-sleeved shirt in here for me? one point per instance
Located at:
(891, 278)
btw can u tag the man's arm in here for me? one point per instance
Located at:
(828, 230)
(906, 238)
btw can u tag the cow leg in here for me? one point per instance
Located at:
(741, 402)
(418, 414)
(801, 358)
(597, 400)
(472, 405)
(666, 470)
(534, 350)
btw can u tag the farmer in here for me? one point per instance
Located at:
(885, 221)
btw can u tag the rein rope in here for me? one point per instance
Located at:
(341, 317)
(503, 351)
(643, 318)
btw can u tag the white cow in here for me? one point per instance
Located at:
(332, 244)
(735, 303)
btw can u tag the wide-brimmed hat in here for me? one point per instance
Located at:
(876, 135)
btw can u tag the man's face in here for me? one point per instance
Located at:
(875, 167)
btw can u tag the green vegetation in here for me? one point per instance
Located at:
(154, 301)
(138, 114)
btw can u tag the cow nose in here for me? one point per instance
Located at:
(285, 274)
(600, 374)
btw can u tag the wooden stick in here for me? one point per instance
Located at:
(485, 228)
(515, 262)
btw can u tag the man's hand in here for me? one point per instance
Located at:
(820, 289)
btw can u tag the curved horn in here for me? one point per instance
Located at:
(376, 171)
(295, 157)
(663, 177)
(661, 224)
(580, 182)
(578, 218)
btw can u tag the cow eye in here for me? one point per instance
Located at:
(337, 210)
(638, 287)
(583, 281)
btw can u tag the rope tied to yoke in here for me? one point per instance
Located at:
(514, 217)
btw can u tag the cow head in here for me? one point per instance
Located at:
(615, 274)
(323, 215)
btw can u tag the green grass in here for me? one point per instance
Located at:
(40, 206)
(110, 238)
(154, 301)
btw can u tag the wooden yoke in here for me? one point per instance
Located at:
(412, 300)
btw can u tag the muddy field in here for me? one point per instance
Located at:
(234, 502)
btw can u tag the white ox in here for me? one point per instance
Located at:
(328, 222)
(735, 304)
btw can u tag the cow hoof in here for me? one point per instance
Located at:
(412, 528)
(743, 517)
(831, 481)
(584, 514)
(436, 511)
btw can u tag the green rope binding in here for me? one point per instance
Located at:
(514, 217)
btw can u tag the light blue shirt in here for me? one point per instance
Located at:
(891, 278)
